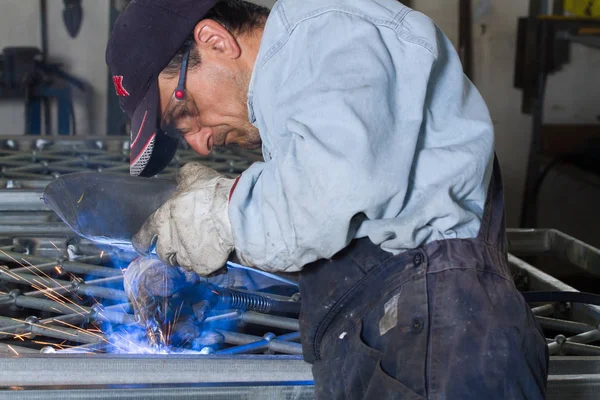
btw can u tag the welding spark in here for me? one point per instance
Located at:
(3, 252)
(81, 198)
(101, 254)
(82, 330)
(57, 268)
(7, 272)
(55, 246)
(60, 346)
(13, 350)
(20, 337)
(56, 296)
(14, 335)
(44, 327)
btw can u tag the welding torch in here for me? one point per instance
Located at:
(191, 305)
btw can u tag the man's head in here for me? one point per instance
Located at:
(182, 69)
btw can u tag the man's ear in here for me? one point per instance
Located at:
(213, 38)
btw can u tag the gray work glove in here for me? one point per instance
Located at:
(192, 228)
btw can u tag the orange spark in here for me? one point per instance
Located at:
(13, 350)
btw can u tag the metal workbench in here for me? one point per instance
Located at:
(540, 260)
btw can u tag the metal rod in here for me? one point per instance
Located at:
(69, 318)
(223, 317)
(57, 332)
(86, 349)
(273, 321)
(545, 310)
(22, 200)
(252, 344)
(586, 337)
(61, 287)
(5, 350)
(559, 342)
(579, 349)
(55, 307)
(563, 326)
(252, 317)
(48, 266)
(70, 266)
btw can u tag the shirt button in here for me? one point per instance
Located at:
(418, 260)
(417, 325)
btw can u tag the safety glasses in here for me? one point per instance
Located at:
(181, 113)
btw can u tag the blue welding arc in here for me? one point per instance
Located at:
(267, 274)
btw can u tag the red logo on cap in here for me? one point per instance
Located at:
(118, 81)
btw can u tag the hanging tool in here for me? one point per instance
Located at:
(73, 17)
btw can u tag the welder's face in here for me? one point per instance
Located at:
(213, 111)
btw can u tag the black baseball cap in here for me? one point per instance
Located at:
(145, 38)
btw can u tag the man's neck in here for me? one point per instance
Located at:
(250, 43)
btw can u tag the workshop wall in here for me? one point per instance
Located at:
(571, 98)
(82, 57)
(19, 26)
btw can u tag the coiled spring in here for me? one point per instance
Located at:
(246, 301)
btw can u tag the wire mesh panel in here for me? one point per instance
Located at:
(31, 163)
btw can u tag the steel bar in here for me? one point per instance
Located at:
(273, 321)
(563, 326)
(55, 307)
(5, 350)
(544, 311)
(56, 332)
(223, 317)
(61, 287)
(22, 200)
(50, 265)
(252, 344)
(579, 349)
(85, 349)
(70, 266)
(583, 338)
(12, 328)
(252, 317)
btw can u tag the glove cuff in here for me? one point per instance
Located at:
(220, 212)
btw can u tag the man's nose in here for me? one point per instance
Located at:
(202, 142)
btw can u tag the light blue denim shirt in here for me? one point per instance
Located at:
(369, 129)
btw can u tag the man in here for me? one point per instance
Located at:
(379, 185)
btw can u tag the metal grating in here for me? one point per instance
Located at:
(27, 163)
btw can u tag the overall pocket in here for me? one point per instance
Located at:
(364, 378)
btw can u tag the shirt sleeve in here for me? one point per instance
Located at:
(348, 118)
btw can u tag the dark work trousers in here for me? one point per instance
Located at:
(444, 321)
